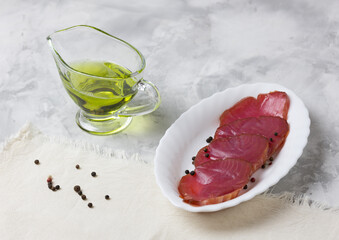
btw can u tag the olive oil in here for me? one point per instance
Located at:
(99, 88)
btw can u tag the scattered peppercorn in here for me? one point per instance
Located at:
(252, 179)
(270, 163)
(77, 166)
(106, 197)
(93, 174)
(83, 197)
(207, 155)
(80, 192)
(187, 172)
(193, 162)
(77, 188)
(271, 139)
(50, 184)
(271, 159)
(90, 205)
(192, 173)
(245, 187)
(37, 162)
(275, 134)
(205, 149)
(193, 158)
(209, 139)
(263, 166)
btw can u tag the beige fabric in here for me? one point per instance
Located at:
(137, 209)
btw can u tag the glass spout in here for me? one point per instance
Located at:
(83, 42)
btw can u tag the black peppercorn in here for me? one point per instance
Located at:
(245, 187)
(93, 174)
(193, 158)
(80, 192)
(192, 173)
(207, 155)
(187, 172)
(271, 139)
(209, 139)
(37, 162)
(57, 187)
(77, 166)
(90, 205)
(106, 197)
(77, 188)
(83, 197)
(263, 166)
(275, 134)
(271, 159)
(205, 149)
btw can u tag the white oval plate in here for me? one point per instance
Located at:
(190, 131)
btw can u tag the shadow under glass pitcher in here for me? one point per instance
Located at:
(104, 76)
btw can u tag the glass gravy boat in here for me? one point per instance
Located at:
(103, 75)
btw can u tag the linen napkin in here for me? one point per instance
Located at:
(136, 209)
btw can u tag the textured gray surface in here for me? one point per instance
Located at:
(193, 49)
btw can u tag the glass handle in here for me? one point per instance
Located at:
(145, 101)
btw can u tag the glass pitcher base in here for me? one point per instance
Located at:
(102, 127)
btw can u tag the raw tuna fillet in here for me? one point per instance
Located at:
(248, 147)
(270, 104)
(215, 181)
(275, 129)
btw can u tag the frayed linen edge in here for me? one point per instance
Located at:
(298, 199)
(28, 131)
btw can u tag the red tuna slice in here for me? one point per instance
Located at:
(273, 128)
(215, 181)
(248, 147)
(274, 104)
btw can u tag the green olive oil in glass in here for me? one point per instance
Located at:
(104, 76)
(94, 92)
